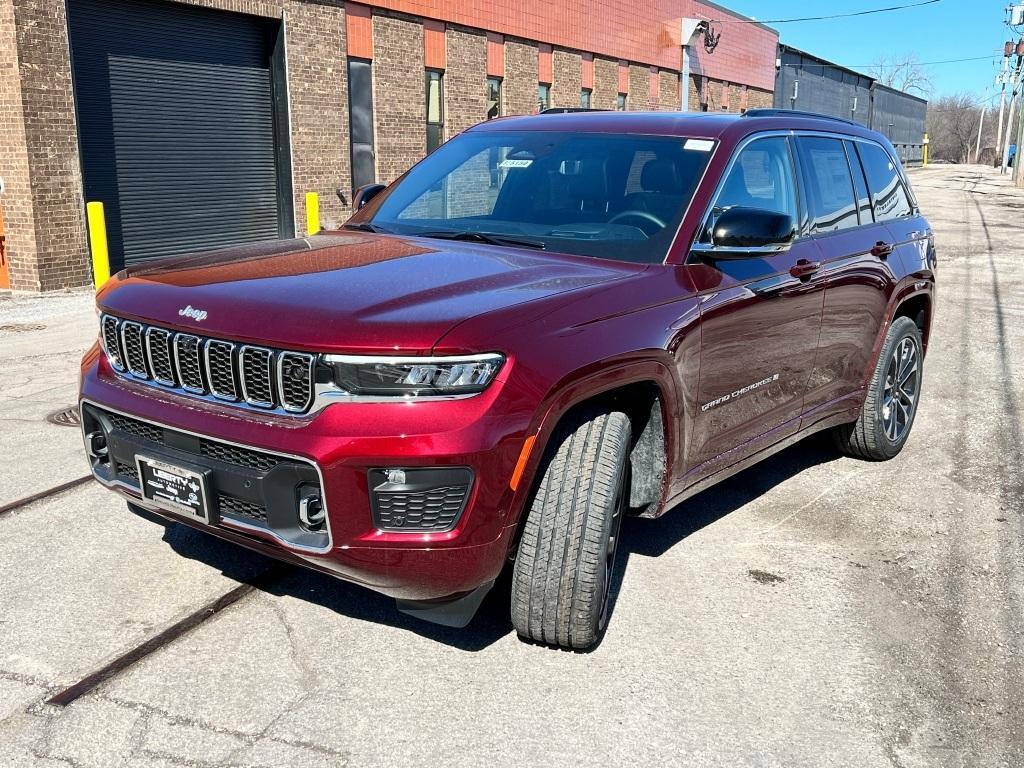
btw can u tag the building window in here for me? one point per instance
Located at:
(493, 97)
(620, 102)
(543, 97)
(435, 110)
(585, 98)
(360, 111)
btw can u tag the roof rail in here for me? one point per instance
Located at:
(564, 110)
(797, 113)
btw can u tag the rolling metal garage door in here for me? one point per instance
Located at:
(177, 126)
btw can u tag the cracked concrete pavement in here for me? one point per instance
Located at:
(813, 611)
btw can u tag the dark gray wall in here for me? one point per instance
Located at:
(823, 87)
(901, 117)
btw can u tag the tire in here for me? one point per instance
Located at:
(566, 556)
(884, 424)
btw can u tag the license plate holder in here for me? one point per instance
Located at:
(176, 487)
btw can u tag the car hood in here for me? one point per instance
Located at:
(345, 291)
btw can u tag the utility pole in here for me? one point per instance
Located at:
(1002, 78)
(981, 123)
(1018, 176)
(1013, 107)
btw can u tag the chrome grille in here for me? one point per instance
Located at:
(295, 380)
(111, 342)
(257, 376)
(158, 347)
(188, 354)
(263, 378)
(134, 354)
(220, 369)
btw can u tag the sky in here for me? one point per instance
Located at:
(948, 29)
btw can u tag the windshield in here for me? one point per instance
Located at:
(593, 194)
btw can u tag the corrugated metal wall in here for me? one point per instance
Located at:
(821, 86)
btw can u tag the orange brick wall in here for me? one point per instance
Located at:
(640, 31)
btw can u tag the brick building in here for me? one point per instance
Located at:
(200, 123)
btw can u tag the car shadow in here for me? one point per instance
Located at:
(654, 537)
(644, 537)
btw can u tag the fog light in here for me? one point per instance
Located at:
(311, 511)
(98, 449)
(395, 476)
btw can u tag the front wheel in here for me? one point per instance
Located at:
(890, 406)
(563, 570)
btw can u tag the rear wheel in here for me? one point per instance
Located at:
(890, 406)
(566, 558)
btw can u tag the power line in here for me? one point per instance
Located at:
(831, 16)
(888, 66)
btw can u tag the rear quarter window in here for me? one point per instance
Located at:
(888, 195)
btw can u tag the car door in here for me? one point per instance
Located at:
(760, 316)
(857, 268)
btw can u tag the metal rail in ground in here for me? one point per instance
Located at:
(158, 641)
(10, 507)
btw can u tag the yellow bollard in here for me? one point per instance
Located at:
(98, 243)
(312, 213)
(924, 151)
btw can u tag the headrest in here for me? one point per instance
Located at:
(590, 183)
(660, 176)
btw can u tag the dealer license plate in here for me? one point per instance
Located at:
(172, 487)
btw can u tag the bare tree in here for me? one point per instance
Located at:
(953, 127)
(904, 73)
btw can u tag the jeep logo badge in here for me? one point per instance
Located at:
(196, 314)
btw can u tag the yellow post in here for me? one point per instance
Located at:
(312, 213)
(98, 243)
(924, 151)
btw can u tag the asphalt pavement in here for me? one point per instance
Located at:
(812, 611)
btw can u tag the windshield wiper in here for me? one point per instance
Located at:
(491, 238)
(364, 226)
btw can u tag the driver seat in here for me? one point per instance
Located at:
(661, 190)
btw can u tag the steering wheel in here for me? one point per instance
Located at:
(644, 216)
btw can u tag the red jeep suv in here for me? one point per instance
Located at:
(547, 324)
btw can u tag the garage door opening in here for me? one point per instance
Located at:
(183, 125)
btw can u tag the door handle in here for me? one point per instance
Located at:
(804, 268)
(881, 249)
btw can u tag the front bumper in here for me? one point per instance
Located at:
(334, 451)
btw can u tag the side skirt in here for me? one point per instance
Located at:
(831, 421)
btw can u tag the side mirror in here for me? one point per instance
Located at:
(738, 229)
(365, 194)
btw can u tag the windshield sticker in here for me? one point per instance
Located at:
(512, 163)
(740, 392)
(699, 145)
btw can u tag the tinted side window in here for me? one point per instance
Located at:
(830, 196)
(863, 196)
(761, 177)
(887, 193)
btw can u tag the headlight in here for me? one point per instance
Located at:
(415, 376)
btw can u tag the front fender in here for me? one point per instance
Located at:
(591, 383)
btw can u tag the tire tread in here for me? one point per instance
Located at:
(556, 590)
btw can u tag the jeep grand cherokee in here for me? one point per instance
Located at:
(548, 323)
